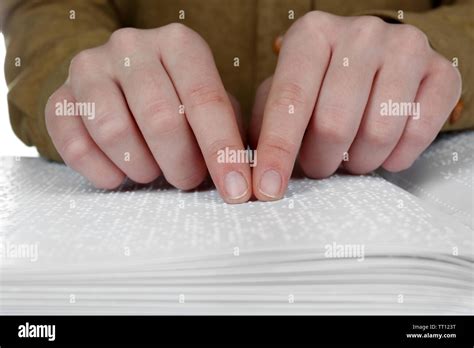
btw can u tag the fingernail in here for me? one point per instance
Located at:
(235, 185)
(270, 184)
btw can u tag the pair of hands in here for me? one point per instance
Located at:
(322, 107)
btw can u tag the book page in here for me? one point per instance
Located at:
(152, 249)
(443, 176)
(70, 222)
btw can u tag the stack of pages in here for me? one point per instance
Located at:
(376, 244)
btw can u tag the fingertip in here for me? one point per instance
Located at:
(269, 186)
(191, 182)
(395, 166)
(312, 169)
(316, 173)
(236, 187)
(110, 182)
(146, 176)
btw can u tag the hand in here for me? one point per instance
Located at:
(137, 86)
(334, 98)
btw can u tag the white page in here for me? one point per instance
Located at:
(443, 176)
(52, 207)
(185, 242)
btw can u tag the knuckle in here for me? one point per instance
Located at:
(160, 124)
(378, 135)
(156, 108)
(205, 94)
(368, 26)
(278, 146)
(412, 33)
(110, 131)
(313, 21)
(180, 38)
(450, 73)
(410, 39)
(289, 94)
(329, 131)
(177, 29)
(124, 38)
(82, 62)
(178, 32)
(330, 128)
(315, 27)
(308, 21)
(75, 150)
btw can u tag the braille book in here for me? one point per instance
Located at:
(381, 243)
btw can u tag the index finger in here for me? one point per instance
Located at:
(190, 64)
(303, 60)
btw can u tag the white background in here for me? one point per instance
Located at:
(10, 145)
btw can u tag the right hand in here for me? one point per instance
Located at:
(138, 81)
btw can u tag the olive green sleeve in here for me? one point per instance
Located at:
(41, 37)
(450, 30)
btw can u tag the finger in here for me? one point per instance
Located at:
(189, 62)
(437, 95)
(261, 97)
(298, 76)
(389, 107)
(157, 110)
(76, 147)
(339, 109)
(112, 127)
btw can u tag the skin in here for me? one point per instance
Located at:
(336, 107)
(137, 112)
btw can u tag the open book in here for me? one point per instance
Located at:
(376, 244)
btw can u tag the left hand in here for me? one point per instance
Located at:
(336, 79)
